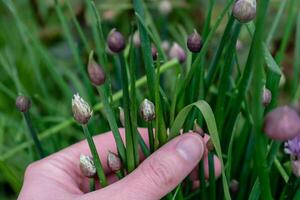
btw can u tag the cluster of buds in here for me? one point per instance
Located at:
(87, 166)
(115, 41)
(147, 110)
(81, 110)
(23, 103)
(194, 42)
(244, 10)
(177, 52)
(282, 123)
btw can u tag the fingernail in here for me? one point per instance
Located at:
(190, 148)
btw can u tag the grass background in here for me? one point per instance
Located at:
(44, 47)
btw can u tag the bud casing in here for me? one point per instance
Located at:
(114, 162)
(96, 73)
(87, 166)
(147, 110)
(81, 110)
(244, 10)
(115, 41)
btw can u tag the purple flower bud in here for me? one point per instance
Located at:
(87, 166)
(113, 162)
(23, 103)
(194, 42)
(282, 123)
(147, 110)
(266, 97)
(154, 52)
(96, 73)
(244, 10)
(115, 41)
(234, 186)
(177, 52)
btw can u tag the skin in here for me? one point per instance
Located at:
(58, 176)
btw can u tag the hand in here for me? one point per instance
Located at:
(59, 177)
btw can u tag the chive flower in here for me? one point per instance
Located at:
(194, 42)
(244, 10)
(147, 110)
(114, 162)
(96, 73)
(23, 103)
(266, 97)
(115, 41)
(177, 52)
(282, 123)
(292, 147)
(87, 166)
(81, 110)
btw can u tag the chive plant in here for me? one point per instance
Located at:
(178, 69)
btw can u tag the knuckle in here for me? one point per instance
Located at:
(30, 169)
(160, 172)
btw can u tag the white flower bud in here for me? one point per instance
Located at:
(147, 110)
(165, 7)
(87, 166)
(81, 110)
(244, 10)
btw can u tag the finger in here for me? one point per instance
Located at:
(159, 173)
(67, 160)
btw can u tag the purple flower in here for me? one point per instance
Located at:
(292, 147)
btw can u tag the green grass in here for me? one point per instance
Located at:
(220, 86)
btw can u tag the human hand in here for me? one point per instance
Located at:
(58, 176)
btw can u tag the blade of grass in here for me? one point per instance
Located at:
(296, 62)
(212, 128)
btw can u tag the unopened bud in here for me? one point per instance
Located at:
(113, 162)
(147, 110)
(165, 7)
(194, 42)
(234, 186)
(122, 116)
(266, 97)
(198, 129)
(154, 53)
(244, 10)
(210, 145)
(87, 166)
(282, 123)
(177, 52)
(81, 110)
(115, 41)
(96, 73)
(23, 103)
(165, 45)
(136, 39)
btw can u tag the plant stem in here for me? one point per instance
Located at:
(98, 165)
(212, 181)
(151, 137)
(34, 135)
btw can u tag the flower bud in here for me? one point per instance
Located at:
(147, 110)
(87, 166)
(234, 186)
(198, 129)
(136, 39)
(96, 73)
(23, 103)
(165, 45)
(266, 97)
(194, 42)
(122, 116)
(244, 10)
(177, 52)
(210, 145)
(113, 162)
(81, 110)
(154, 53)
(282, 123)
(165, 7)
(115, 41)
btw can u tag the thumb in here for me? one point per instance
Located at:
(159, 174)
